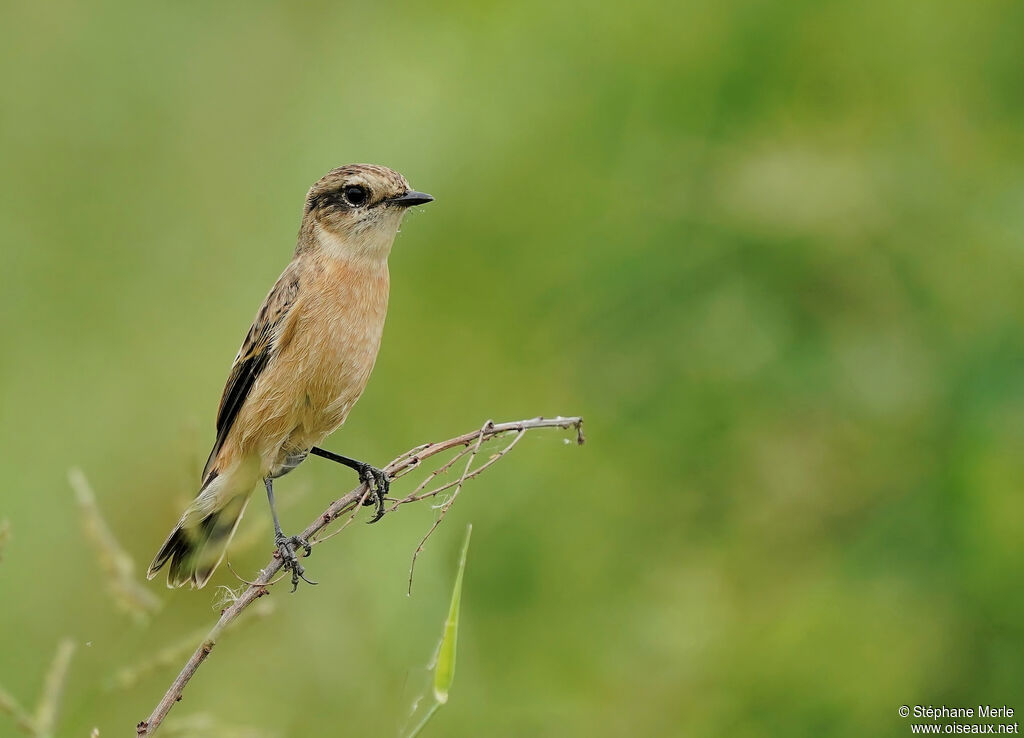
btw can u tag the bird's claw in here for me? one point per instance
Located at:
(298, 542)
(286, 548)
(378, 483)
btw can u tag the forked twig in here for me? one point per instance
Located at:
(348, 521)
(398, 468)
(447, 503)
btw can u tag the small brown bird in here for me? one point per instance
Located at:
(301, 368)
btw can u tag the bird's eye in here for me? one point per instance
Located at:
(356, 195)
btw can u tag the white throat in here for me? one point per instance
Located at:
(370, 243)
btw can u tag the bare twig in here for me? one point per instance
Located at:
(348, 521)
(448, 503)
(401, 466)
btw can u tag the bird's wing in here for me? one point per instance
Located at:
(259, 347)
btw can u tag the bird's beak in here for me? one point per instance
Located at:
(411, 198)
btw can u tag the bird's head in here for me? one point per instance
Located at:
(355, 210)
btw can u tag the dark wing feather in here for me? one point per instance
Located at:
(259, 347)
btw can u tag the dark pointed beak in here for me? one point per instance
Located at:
(411, 198)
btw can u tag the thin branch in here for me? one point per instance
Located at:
(413, 497)
(448, 503)
(398, 468)
(348, 521)
(433, 475)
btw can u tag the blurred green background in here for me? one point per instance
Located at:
(771, 251)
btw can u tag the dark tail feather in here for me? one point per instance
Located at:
(197, 544)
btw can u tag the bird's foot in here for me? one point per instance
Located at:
(379, 484)
(286, 551)
(297, 542)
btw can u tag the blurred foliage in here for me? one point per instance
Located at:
(771, 251)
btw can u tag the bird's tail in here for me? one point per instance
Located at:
(199, 541)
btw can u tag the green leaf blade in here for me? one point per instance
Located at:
(444, 672)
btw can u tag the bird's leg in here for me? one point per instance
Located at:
(287, 545)
(375, 479)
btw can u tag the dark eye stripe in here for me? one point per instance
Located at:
(346, 198)
(327, 200)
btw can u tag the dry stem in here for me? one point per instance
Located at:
(42, 724)
(127, 591)
(401, 466)
(49, 700)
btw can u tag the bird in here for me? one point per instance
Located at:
(302, 366)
